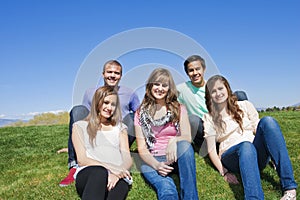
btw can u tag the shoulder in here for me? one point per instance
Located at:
(91, 90)
(122, 126)
(207, 120)
(208, 125)
(124, 89)
(245, 104)
(80, 126)
(81, 123)
(182, 108)
(207, 117)
(89, 93)
(181, 86)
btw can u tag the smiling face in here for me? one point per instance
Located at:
(108, 107)
(160, 90)
(219, 93)
(112, 74)
(196, 71)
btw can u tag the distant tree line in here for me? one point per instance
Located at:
(63, 117)
(45, 119)
(274, 109)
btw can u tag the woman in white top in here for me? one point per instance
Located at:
(233, 124)
(102, 149)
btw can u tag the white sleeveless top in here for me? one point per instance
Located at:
(106, 144)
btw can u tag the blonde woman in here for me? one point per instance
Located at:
(101, 144)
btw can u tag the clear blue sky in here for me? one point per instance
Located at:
(255, 44)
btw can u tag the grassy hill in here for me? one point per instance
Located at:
(30, 168)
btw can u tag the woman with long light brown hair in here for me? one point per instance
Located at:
(163, 138)
(102, 149)
(247, 143)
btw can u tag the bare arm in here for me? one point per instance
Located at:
(127, 160)
(212, 153)
(83, 160)
(185, 130)
(124, 147)
(215, 159)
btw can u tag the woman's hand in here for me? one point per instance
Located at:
(171, 151)
(163, 169)
(231, 178)
(112, 181)
(118, 171)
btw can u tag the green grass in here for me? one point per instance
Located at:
(30, 168)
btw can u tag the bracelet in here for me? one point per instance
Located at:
(223, 174)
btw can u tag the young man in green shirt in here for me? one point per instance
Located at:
(192, 95)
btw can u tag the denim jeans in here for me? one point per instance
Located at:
(79, 112)
(249, 158)
(197, 131)
(128, 120)
(164, 185)
(241, 95)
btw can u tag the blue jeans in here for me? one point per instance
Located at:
(164, 185)
(77, 113)
(241, 95)
(197, 129)
(80, 112)
(128, 120)
(249, 158)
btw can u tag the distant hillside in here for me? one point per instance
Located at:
(260, 109)
(40, 119)
(292, 107)
(4, 122)
(296, 105)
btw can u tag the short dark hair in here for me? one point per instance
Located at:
(192, 59)
(112, 62)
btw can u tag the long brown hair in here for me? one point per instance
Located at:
(232, 106)
(94, 118)
(162, 75)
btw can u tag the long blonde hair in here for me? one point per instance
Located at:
(232, 106)
(162, 75)
(94, 118)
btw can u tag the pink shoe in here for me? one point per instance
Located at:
(69, 179)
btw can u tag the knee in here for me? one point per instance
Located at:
(79, 111)
(247, 149)
(78, 108)
(241, 95)
(183, 145)
(167, 190)
(184, 148)
(128, 120)
(194, 119)
(267, 120)
(196, 122)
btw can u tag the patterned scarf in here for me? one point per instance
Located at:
(147, 121)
